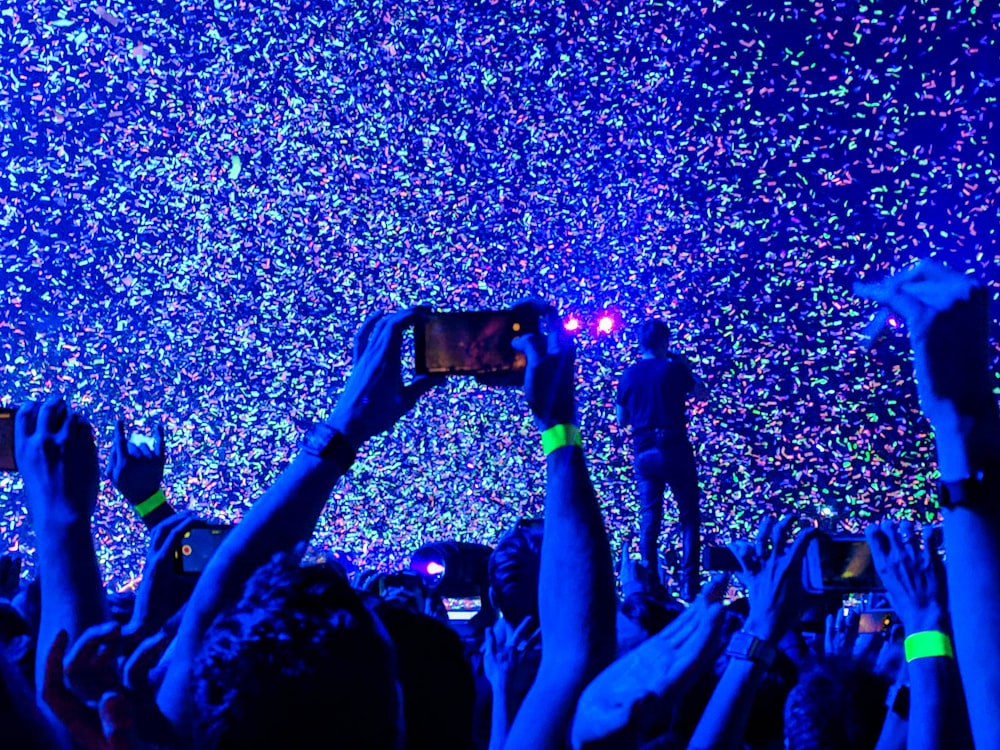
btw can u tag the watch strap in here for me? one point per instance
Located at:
(330, 444)
(969, 492)
(744, 645)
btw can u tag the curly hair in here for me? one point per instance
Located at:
(298, 658)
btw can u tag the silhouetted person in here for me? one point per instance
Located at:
(652, 396)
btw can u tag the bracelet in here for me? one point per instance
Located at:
(150, 504)
(559, 436)
(927, 644)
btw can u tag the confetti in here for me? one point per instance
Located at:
(203, 201)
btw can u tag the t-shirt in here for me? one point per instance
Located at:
(654, 393)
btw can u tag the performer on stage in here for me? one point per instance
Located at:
(652, 396)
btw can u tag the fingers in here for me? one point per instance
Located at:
(532, 346)
(878, 543)
(53, 687)
(526, 624)
(797, 551)
(160, 442)
(144, 659)
(763, 540)
(53, 414)
(90, 645)
(26, 420)
(168, 533)
(745, 556)
(364, 334)
(120, 444)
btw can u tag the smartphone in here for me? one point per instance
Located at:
(721, 559)
(197, 547)
(841, 564)
(7, 462)
(472, 343)
(877, 621)
(463, 609)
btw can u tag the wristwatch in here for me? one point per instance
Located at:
(969, 492)
(747, 646)
(330, 444)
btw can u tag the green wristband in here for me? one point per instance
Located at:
(927, 644)
(150, 504)
(559, 436)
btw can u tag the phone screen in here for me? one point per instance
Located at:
(472, 343)
(841, 564)
(463, 610)
(876, 621)
(7, 462)
(197, 547)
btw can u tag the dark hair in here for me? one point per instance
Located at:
(838, 704)
(439, 693)
(298, 658)
(653, 333)
(513, 572)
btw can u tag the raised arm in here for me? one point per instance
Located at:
(57, 458)
(772, 573)
(136, 471)
(914, 577)
(946, 314)
(283, 519)
(576, 590)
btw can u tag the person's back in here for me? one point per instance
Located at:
(655, 391)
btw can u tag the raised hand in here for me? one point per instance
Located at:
(947, 316)
(375, 397)
(772, 574)
(135, 469)
(90, 669)
(549, 377)
(622, 701)
(913, 574)
(163, 590)
(57, 458)
(841, 632)
(504, 649)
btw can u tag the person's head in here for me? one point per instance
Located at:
(513, 572)
(439, 691)
(298, 658)
(654, 337)
(838, 704)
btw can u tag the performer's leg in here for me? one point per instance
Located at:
(684, 485)
(649, 474)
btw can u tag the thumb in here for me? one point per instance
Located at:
(532, 345)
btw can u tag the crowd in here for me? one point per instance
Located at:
(263, 651)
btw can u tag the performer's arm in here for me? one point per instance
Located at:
(622, 414)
